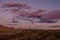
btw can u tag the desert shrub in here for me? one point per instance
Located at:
(57, 34)
(23, 34)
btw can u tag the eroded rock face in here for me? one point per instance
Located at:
(52, 14)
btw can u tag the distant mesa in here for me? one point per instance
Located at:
(55, 14)
(3, 27)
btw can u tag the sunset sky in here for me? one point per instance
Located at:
(41, 4)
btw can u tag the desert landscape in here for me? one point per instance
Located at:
(9, 33)
(29, 20)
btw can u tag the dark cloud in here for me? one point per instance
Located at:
(55, 14)
(16, 4)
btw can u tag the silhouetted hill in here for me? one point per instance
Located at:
(6, 28)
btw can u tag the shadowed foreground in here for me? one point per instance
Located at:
(28, 34)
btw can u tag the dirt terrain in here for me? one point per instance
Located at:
(7, 33)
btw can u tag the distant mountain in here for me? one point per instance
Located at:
(55, 14)
(6, 28)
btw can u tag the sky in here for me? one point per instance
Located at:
(40, 4)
